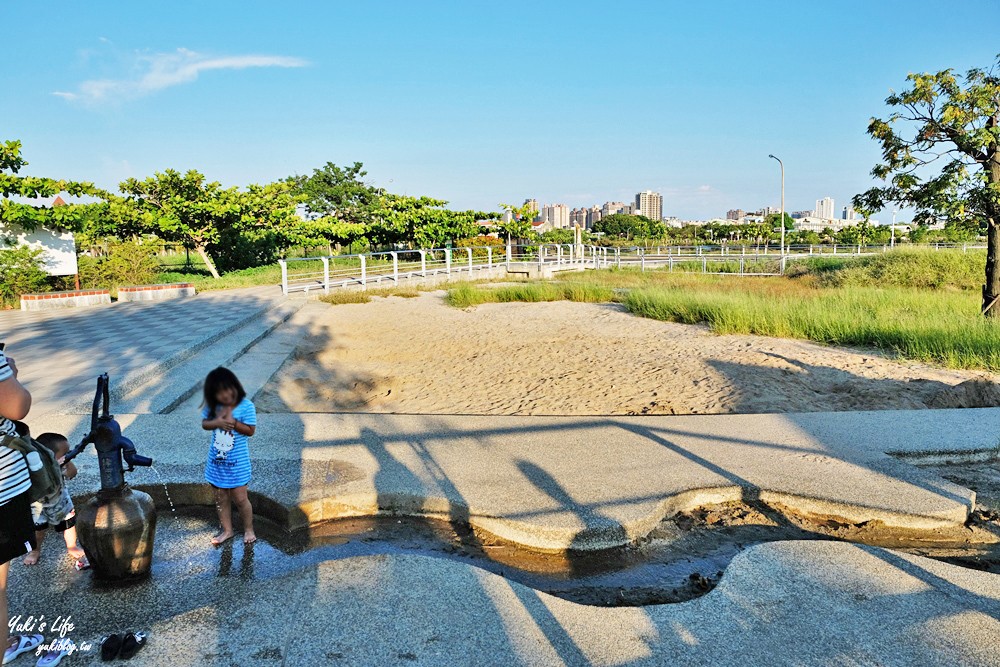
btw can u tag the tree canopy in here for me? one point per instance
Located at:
(422, 221)
(516, 221)
(190, 210)
(626, 226)
(940, 156)
(29, 215)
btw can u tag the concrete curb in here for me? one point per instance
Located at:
(542, 483)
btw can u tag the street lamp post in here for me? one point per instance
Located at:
(892, 232)
(782, 165)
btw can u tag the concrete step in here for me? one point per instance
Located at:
(161, 392)
(258, 363)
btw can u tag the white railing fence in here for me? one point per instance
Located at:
(311, 274)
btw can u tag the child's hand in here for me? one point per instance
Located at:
(69, 470)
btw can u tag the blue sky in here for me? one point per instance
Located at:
(477, 103)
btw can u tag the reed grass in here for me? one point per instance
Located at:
(917, 304)
(466, 295)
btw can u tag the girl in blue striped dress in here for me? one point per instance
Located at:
(232, 419)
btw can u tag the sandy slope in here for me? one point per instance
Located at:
(421, 356)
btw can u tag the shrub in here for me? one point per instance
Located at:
(480, 243)
(126, 263)
(342, 296)
(21, 273)
(238, 251)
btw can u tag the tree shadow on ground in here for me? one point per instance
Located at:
(409, 459)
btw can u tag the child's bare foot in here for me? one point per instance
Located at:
(76, 553)
(32, 557)
(223, 536)
(249, 537)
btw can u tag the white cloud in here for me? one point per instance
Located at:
(163, 70)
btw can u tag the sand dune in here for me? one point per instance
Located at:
(422, 356)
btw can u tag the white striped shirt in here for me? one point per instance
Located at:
(14, 479)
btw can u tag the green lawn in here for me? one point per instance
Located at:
(203, 280)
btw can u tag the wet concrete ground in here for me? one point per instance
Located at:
(683, 558)
(686, 556)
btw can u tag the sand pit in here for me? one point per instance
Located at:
(421, 356)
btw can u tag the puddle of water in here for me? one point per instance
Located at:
(682, 559)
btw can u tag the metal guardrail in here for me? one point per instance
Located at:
(307, 274)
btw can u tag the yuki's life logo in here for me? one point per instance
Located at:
(60, 629)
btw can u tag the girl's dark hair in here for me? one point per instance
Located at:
(221, 378)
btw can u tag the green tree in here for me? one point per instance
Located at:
(860, 233)
(178, 208)
(561, 236)
(120, 263)
(244, 227)
(941, 155)
(422, 222)
(625, 226)
(339, 192)
(809, 238)
(918, 233)
(261, 225)
(519, 224)
(962, 231)
(30, 216)
(339, 201)
(773, 219)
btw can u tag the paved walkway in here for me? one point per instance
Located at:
(585, 483)
(60, 353)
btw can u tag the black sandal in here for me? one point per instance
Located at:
(134, 641)
(110, 647)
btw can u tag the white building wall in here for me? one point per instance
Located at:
(59, 248)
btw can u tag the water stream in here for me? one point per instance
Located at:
(166, 491)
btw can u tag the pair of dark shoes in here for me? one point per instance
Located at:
(122, 646)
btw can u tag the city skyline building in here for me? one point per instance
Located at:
(824, 208)
(613, 207)
(649, 204)
(593, 215)
(556, 215)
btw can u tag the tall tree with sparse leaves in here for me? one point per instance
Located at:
(941, 156)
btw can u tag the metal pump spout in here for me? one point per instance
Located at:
(112, 447)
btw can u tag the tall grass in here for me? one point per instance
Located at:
(342, 296)
(923, 325)
(465, 296)
(920, 305)
(911, 267)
